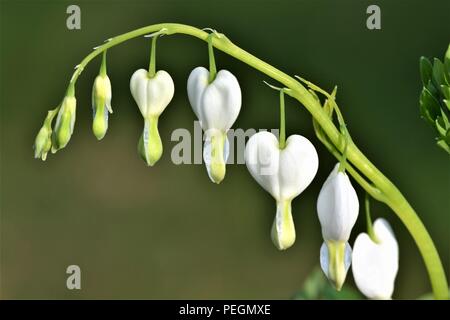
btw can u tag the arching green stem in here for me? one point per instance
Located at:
(388, 191)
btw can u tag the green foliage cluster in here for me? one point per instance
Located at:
(435, 97)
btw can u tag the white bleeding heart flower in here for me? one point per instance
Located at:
(284, 173)
(152, 95)
(375, 263)
(337, 207)
(216, 105)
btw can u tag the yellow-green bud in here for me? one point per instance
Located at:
(64, 123)
(101, 105)
(42, 143)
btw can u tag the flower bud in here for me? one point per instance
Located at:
(337, 207)
(43, 142)
(65, 122)
(101, 105)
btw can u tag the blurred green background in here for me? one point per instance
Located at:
(167, 231)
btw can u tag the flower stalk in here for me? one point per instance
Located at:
(152, 63)
(282, 121)
(212, 60)
(357, 164)
(369, 224)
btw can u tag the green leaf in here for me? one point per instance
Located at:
(433, 90)
(445, 91)
(447, 74)
(438, 73)
(441, 143)
(440, 126)
(447, 59)
(447, 103)
(429, 106)
(445, 120)
(426, 70)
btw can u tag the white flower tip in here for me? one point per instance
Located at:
(215, 155)
(150, 145)
(283, 229)
(335, 260)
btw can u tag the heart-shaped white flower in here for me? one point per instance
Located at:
(152, 95)
(337, 207)
(284, 173)
(216, 105)
(375, 264)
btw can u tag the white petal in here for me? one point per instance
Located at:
(215, 104)
(337, 206)
(375, 265)
(283, 173)
(196, 85)
(298, 166)
(138, 88)
(221, 102)
(262, 158)
(152, 95)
